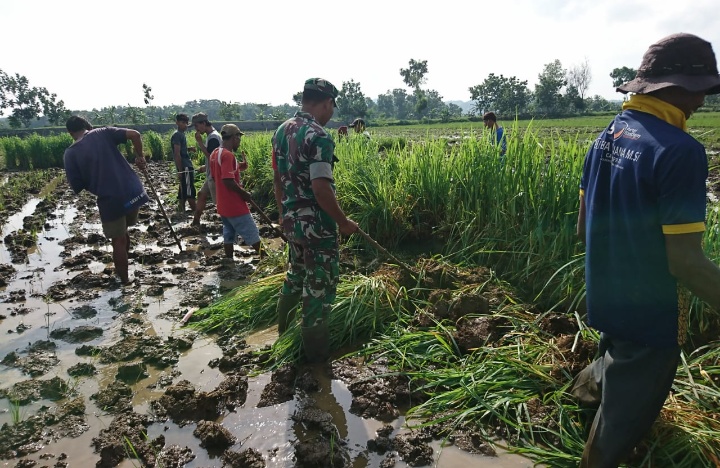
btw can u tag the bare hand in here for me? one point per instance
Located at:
(201, 168)
(198, 137)
(242, 166)
(191, 149)
(348, 227)
(247, 196)
(140, 162)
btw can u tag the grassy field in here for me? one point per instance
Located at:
(441, 198)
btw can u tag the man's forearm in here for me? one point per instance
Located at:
(278, 190)
(328, 202)
(234, 187)
(703, 279)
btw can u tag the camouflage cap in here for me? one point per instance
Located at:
(322, 86)
(230, 130)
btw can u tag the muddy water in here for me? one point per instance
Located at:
(186, 280)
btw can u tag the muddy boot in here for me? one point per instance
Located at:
(316, 343)
(587, 385)
(286, 310)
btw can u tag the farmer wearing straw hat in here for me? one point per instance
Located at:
(183, 163)
(642, 217)
(303, 159)
(94, 163)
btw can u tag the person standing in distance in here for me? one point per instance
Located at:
(94, 163)
(642, 217)
(303, 159)
(212, 141)
(498, 136)
(183, 163)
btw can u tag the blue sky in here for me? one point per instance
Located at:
(96, 53)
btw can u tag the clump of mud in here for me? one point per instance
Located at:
(31, 434)
(175, 456)
(28, 391)
(248, 458)
(115, 398)
(183, 404)
(376, 392)
(281, 387)
(127, 435)
(213, 436)
(36, 360)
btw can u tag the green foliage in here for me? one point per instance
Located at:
(504, 96)
(548, 98)
(28, 103)
(414, 74)
(154, 144)
(622, 75)
(351, 101)
(35, 151)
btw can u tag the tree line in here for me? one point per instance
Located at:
(559, 92)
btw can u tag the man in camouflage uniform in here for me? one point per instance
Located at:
(303, 159)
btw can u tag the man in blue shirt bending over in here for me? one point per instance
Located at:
(94, 163)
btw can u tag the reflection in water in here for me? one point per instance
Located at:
(270, 430)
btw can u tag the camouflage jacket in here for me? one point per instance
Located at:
(303, 150)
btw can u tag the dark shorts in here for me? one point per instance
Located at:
(187, 184)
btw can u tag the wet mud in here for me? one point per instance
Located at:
(97, 373)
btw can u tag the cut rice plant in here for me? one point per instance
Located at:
(363, 307)
(515, 388)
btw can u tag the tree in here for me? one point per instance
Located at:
(504, 96)
(400, 101)
(229, 110)
(579, 77)
(134, 115)
(622, 75)
(53, 110)
(435, 103)
(414, 74)
(351, 100)
(548, 97)
(598, 103)
(297, 98)
(262, 110)
(147, 96)
(573, 101)
(386, 105)
(27, 102)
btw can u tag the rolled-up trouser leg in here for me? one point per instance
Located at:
(635, 383)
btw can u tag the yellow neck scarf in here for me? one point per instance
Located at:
(660, 109)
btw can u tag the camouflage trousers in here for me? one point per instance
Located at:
(314, 271)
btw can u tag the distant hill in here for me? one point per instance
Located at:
(466, 106)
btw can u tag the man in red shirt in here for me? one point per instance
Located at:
(232, 199)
